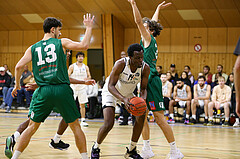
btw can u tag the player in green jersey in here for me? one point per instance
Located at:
(50, 73)
(149, 30)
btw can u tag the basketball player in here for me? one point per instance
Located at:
(79, 70)
(149, 30)
(126, 74)
(182, 97)
(202, 94)
(237, 77)
(50, 73)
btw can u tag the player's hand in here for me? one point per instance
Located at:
(31, 86)
(14, 91)
(88, 20)
(127, 103)
(131, 1)
(164, 5)
(177, 99)
(90, 82)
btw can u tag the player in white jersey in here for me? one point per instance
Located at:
(167, 91)
(80, 71)
(182, 96)
(202, 94)
(126, 74)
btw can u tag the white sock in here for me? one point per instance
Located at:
(210, 118)
(206, 117)
(96, 145)
(146, 144)
(132, 145)
(16, 135)
(57, 138)
(237, 120)
(173, 146)
(172, 116)
(84, 155)
(226, 118)
(187, 116)
(16, 154)
(194, 117)
(82, 119)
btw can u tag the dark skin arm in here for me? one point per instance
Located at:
(144, 82)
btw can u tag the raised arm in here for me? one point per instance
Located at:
(138, 20)
(144, 82)
(159, 7)
(84, 44)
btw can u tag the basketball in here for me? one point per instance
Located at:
(139, 106)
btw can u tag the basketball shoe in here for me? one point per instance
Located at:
(84, 123)
(10, 142)
(132, 154)
(61, 145)
(95, 153)
(171, 121)
(175, 155)
(147, 153)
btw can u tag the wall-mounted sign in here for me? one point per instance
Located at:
(198, 47)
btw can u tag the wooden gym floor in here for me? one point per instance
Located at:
(195, 142)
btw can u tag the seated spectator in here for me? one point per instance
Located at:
(7, 70)
(199, 74)
(166, 90)
(221, 98)
(202, 92)
(5, 81)
(215, 83)
(174, 75)
(9, 97)
(207, 74)
(219, 70)
(25, 75)
(92, 93)
(181, 97)
(123, 54)
(233, 98)
(184, 77)
(159, 70)
(190, 76)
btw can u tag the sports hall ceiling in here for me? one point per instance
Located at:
(182, 13)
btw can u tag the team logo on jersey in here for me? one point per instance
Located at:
(137, 74)
(152, 105)
(131, 77)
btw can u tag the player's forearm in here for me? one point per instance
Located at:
(136, 13)
(18, 70)
(156, 14)
(115, 92)
(144, 94)
(75, 81)
(87, 37)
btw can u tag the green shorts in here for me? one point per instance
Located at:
(57, 97)
(154, 93)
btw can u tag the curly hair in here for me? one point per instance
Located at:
(154, 26)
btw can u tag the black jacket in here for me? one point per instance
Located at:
(5, 80)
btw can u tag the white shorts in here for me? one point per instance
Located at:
(182, 103)
(201, 103)
(108, 100)
(222, 105)
(82, 96)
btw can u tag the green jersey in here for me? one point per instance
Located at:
(151, 54)
(49, 63)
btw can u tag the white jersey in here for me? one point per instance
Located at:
(127, 80)
(182, 93)
(79, 73)
(202, 92)
(165, 88)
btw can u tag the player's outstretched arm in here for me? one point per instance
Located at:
(84, 44)
(138, 20)
(86, 82)
(144, 81)
(27, 57)
(159, 7)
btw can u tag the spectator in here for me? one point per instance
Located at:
(184, 77)
(159, 70)
(213, 84)
(7, 70)
(221, 98)
(92, 93)
(219, 70)
(200, 74)
(9, 97)
(190, 76)
(174, 75)
(207, 74)
(123, 54)
(25, 75)
(5, 81)
(181, 97)
(202, 92)
(166, 90)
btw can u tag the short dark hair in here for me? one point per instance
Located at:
(204, 78)
(80, 53)
(187, 67)
(50, 22)
(179, 79)
(153, 26)
(134, 47)
(159, 66)
(207, 67)
(220, 65)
